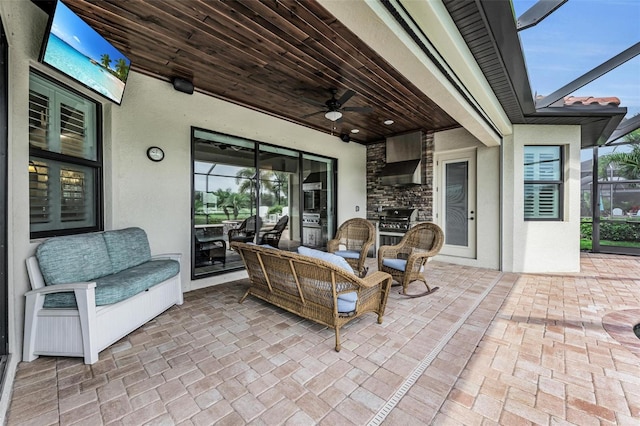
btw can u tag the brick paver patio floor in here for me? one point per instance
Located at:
(487, 348)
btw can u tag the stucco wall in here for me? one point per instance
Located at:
(487, 203)
(158, 194)
(541, 246)
(138, 192)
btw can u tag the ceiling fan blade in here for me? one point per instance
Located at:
(312, 114)
(366, 109)
(313, 102)
(346, 96)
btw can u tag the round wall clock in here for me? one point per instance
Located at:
(155, 154)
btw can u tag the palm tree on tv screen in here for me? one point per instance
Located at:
(122, 70)
(105, 60)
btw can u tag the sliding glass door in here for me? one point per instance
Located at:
(319, 212)
(280, 194)
(224, 198)
(248, 191)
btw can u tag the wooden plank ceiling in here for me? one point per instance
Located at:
(281, 57)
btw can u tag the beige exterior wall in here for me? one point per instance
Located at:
(527, 246)
(153, 113)
(541, 246)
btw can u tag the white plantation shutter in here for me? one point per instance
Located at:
(63, 166)
(73, 200)
(38, 118)
(542, 182)
(72, 137)
(39, 211)
(541, 201)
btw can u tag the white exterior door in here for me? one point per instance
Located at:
(456, 192)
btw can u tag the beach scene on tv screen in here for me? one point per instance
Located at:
(79, 51)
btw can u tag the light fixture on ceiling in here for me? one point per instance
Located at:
(333, 115)
(355, 131)
(388, 122)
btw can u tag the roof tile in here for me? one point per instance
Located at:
(590, 100)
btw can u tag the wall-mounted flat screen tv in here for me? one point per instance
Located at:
(74, 48)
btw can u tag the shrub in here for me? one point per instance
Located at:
(277, 209)
(586, 230)
(618, 231)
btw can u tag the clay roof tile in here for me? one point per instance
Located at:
(590, 100)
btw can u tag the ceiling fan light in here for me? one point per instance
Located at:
(333, 115)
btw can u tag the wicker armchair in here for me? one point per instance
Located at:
(406, 260)
(246, 232)
(355, 236)
(272, 237)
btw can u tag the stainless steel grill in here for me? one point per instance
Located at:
(397, 220)
(393, 224)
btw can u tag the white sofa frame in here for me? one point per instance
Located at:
(87, 330)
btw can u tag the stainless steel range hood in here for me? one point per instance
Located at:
(403, 160)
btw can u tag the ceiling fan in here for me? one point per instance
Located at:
(333, 108)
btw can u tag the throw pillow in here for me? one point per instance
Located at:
(323, 255)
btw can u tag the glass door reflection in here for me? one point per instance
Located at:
(279, 197)
(318, 187)
(224, 201)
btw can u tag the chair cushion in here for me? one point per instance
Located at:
(127, 247)
(122, 285)
(251, 243)
(328, 257)
(397, 264)
(347, 302)
(75, 258)
(347, 254)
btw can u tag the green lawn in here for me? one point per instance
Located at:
(201, 218)
(587, 245)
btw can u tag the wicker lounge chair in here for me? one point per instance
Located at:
(246, 232)
(312, 288)
(272, 237)
(406, 260)
(356, 236)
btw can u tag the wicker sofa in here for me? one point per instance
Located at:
(311, 287)
(90, 290)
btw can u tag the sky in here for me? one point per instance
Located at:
(76, 33)
(579, 36)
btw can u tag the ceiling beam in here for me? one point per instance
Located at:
(626, 127)
(587, 78)
(536, 13)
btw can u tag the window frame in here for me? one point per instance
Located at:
(259, 148)
(559, 183)
(96, 189)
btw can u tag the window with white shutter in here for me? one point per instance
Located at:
(543, 182)
(65, 167)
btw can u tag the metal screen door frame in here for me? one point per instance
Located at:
(456, 212)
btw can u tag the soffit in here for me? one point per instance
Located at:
(489, 29)
(278, 57)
